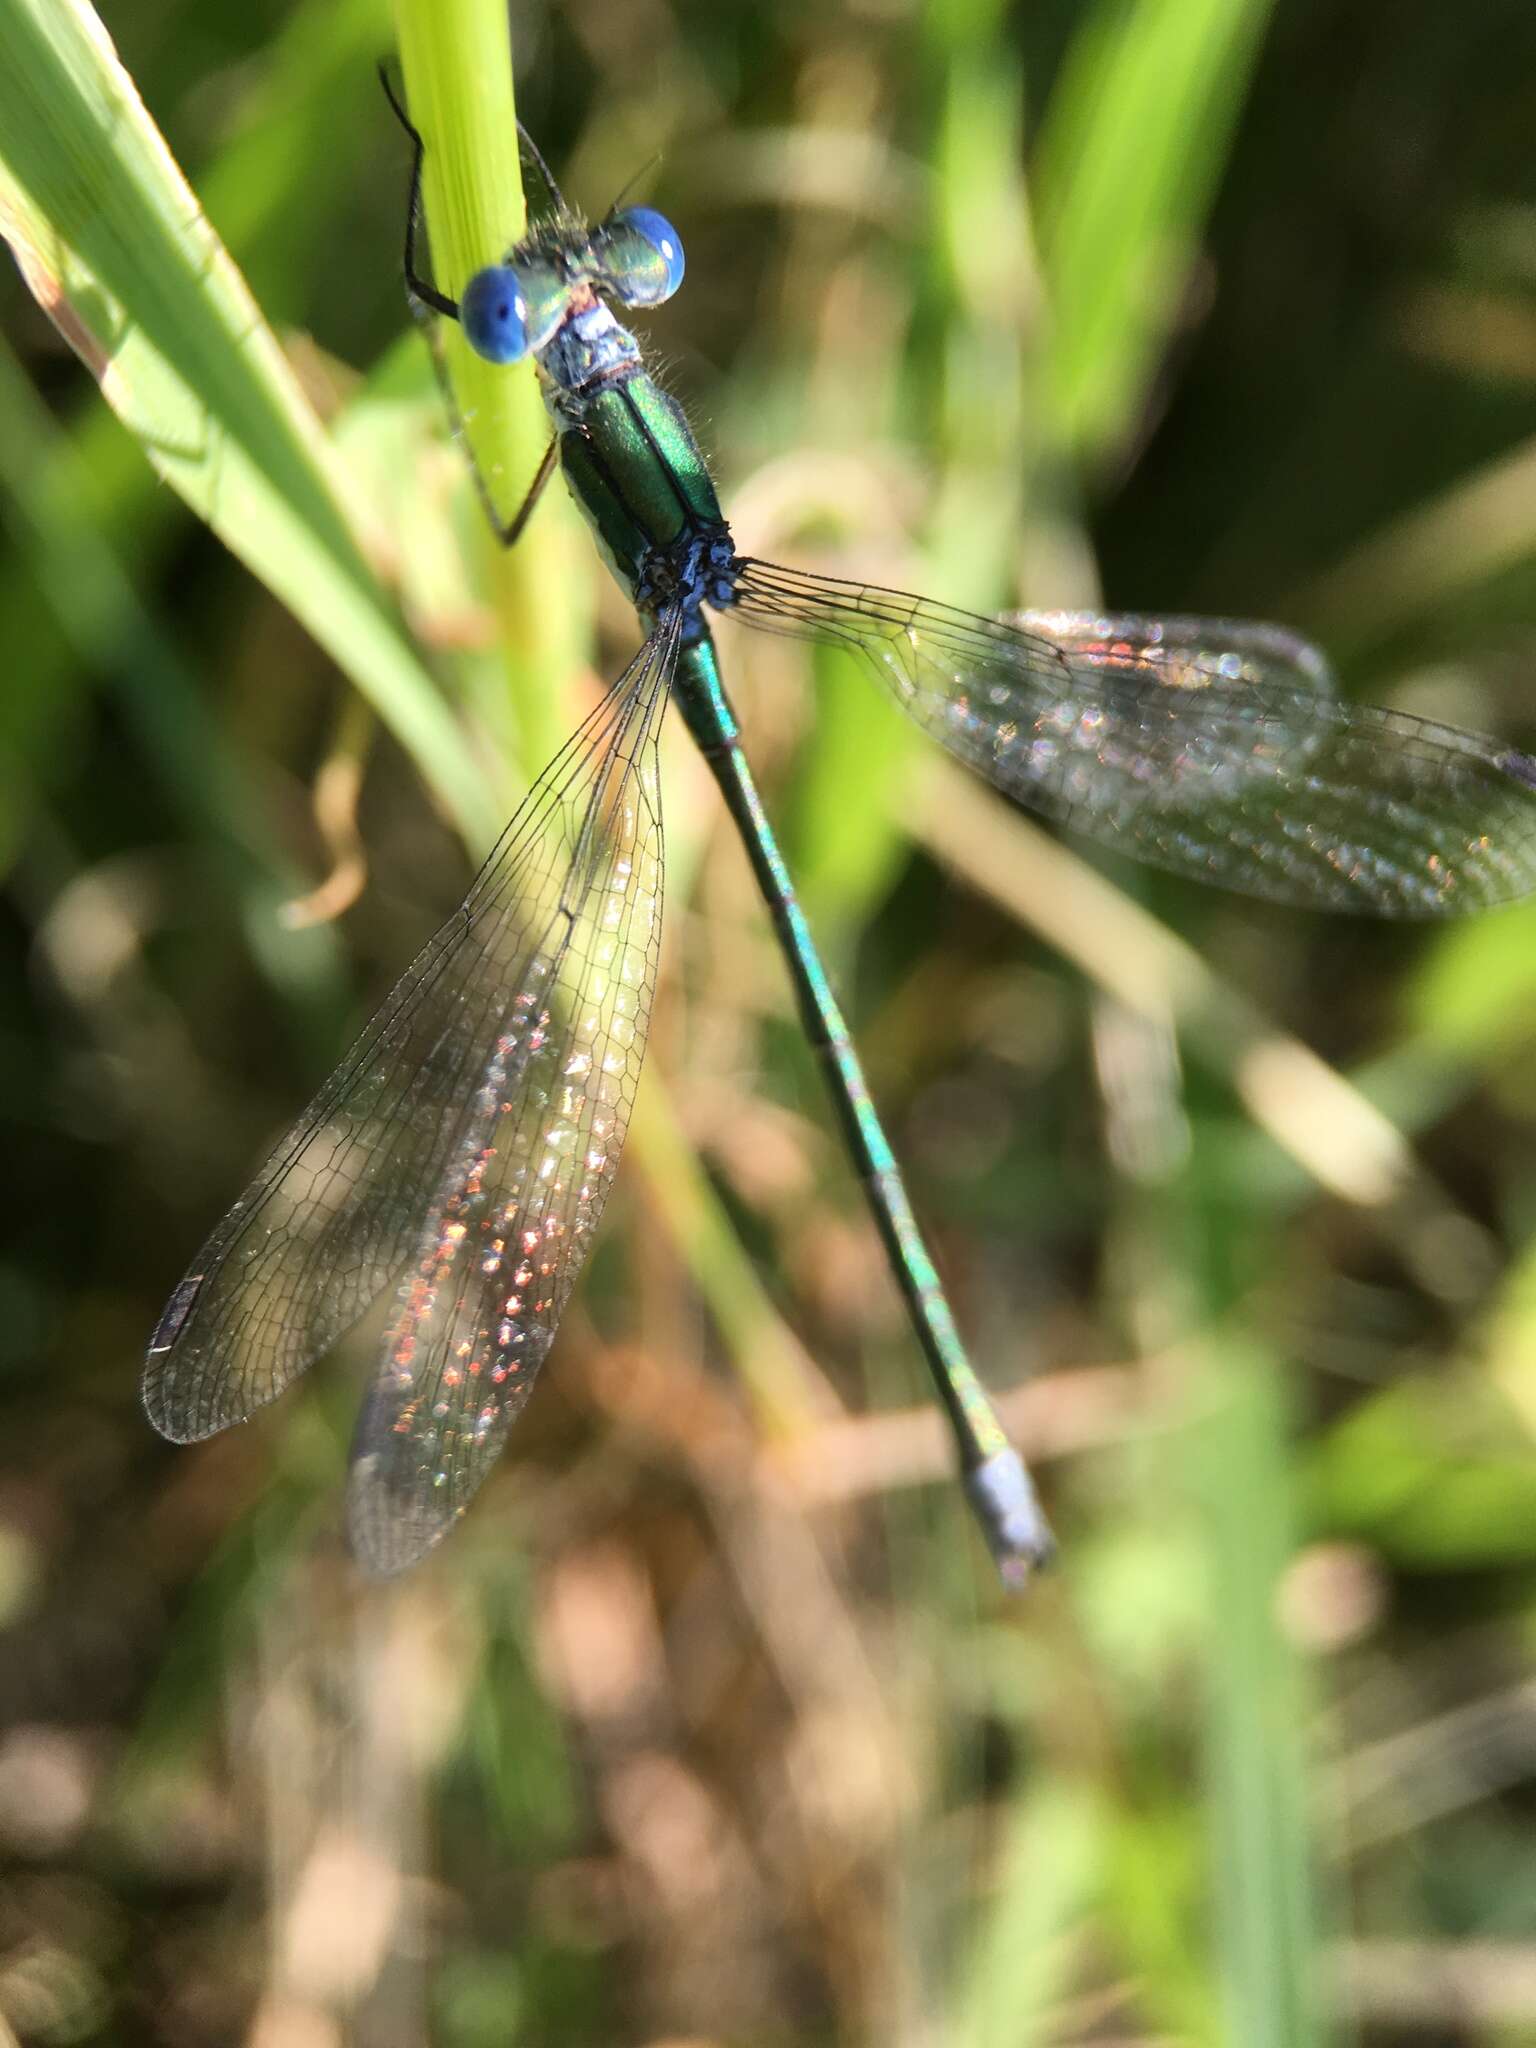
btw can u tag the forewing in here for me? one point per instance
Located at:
(336, 1212)
(1209, 747)
(514, 1213)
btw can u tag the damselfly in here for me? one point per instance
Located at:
(465, 1146)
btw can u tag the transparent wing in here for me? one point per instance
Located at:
(514, 1212)
(398, 1147)
(1209, 747)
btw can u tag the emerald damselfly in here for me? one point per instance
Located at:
(466, 1145)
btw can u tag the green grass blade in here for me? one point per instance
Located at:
(90, 478)
(1132, 149)
(456, 56)
(101, 619)
(457, 61)
(114, 247)
(1262, 1881)
(1028, 1944)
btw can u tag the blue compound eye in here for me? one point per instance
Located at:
(494, 314)
(642, 256)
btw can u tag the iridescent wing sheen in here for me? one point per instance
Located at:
(495, 1080)
(1210, 747)
(514, 1214)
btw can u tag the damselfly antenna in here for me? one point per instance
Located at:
(632, 181)
(533, 157)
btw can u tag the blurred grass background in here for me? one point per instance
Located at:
(708, 1725)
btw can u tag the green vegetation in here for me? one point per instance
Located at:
(710, 1724)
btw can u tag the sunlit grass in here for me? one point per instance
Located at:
(708, 1723)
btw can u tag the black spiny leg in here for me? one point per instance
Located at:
(417, 288)
(509, 531)
(425, 298)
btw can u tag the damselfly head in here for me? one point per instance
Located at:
(515, 308)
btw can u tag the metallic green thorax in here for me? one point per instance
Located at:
(636, 472)
(634, 468)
